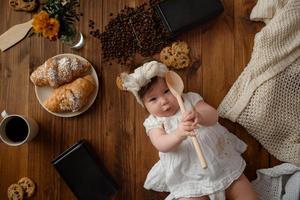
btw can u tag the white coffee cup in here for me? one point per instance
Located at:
(16, 130)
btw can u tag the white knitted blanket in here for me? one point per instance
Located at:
(278, 183)
(265, 98)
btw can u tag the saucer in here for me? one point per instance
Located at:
(42, 93)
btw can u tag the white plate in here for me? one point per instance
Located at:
(42, 93)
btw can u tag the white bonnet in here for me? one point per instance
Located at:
(142, 76)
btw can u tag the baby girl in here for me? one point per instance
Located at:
(178, 171)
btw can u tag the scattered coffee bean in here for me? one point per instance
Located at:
(133, 30)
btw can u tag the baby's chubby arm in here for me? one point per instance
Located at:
(164, 142)
(204, 114)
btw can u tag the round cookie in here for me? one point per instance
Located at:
(119, 83)
(28, 186)
(180, 47)
(182, 61)
(23, 5)
(166, 56)
(15, 192)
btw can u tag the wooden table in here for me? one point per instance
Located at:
(113, 125)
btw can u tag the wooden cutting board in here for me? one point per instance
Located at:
(14, 35)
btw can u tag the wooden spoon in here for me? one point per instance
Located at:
(175, 84)
(14, 35)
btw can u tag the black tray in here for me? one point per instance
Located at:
(82, 173)
(180, 15)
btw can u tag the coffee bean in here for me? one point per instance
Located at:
(131, 31)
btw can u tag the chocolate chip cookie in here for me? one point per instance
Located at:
(28, 186)
(23, 5)
(15, 192)
(182, 61)
(180, 47)
(176, 55)
(166, 56)
(119, 83)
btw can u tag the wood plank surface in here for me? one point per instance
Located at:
(113, 125)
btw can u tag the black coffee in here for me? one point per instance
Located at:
(16, 129)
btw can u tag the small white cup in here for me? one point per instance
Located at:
(6, 135)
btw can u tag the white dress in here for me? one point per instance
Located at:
(179, 172)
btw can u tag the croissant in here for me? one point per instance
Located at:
(72, 96)
(58, 71)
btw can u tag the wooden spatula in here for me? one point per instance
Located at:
(14, 35)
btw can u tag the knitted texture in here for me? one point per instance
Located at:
(278, 183)
(265, 98)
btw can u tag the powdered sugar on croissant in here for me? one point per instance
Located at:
(71, 97)
(58, 71)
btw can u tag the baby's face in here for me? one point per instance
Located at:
(159, 101)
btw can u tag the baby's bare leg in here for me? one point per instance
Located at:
(195, 198)
(241, 189)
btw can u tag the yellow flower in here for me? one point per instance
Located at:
(40, 21)
(49, 27)
(51, 30)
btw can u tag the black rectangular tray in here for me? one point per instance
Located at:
(181, 15)
(81, 171)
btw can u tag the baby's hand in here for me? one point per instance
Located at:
(185, 129)
(187, 124)
(192, 116)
